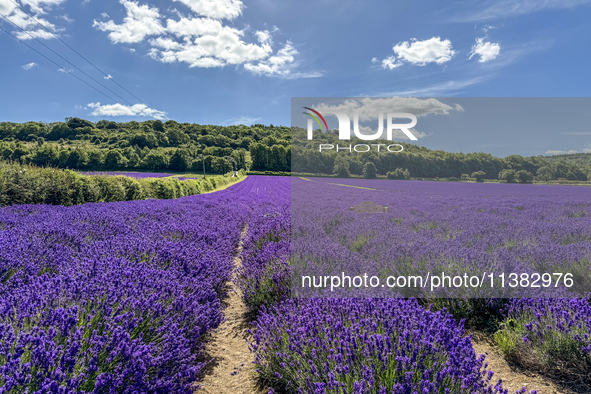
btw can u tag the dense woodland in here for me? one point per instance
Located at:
(581, 159)
(420, 162)
(172, 146)
(150, 145)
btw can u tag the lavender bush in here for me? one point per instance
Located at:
(265, 276)
(367, 346)
(552, 336)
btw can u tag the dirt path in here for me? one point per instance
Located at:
(514, 378)
(231, 370)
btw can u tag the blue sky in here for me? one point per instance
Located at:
(233, 62)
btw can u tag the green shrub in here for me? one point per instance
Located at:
(479, 176)
(399, 173)
(369, 170)
(550, 343)
(28, 184)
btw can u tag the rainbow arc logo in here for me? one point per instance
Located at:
(315, 118)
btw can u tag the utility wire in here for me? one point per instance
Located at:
(63, 58)
(68, 71)
(76, 52)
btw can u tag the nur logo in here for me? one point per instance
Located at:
(345, 125)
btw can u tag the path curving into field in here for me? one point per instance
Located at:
(230, 368)
(514, 378)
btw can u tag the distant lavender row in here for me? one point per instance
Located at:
(137, 175)
(115, 297)
(435, 227)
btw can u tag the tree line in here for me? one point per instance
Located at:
(420, 162)
(151, 145)
(155, 145)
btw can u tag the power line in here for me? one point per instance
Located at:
(76, 52)
(63, 58)
(68, 71)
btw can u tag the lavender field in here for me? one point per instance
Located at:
(434, 227)
(136, 175)
(119, 297)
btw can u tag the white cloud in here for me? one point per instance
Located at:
(141, 21)
(263, 36)
(369, 108)
(433, 50)
(40, 6)
(276, 64)
(30, 34)
(109, 76)
(216, 9)
(495, 9)
(245, 120)
(187, 27)
(63, 70)
(561, 152)
(30, 27)
(203, 41)
(29, 66)
(390, 63)
(104, 15)
(125, 110)
(66, 18)
(436, 90)
(486, 50)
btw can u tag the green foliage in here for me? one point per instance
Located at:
(507, 175)
(523, 176)
(269, 173)
(479, 176)
(341, 167)
(28, 184)
(369, 170)
(551, 349)
(221, 165)
(148, 145)
(399, 173)
(155, 161)
(483, 314)
(154, 145)
(546, 173)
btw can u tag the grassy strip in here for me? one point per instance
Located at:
(28, 184)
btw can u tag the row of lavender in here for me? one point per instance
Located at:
(136, 175)
(115, 297)
(346, 345)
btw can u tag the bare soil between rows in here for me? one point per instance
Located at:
(230, 368)
(512, 376)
